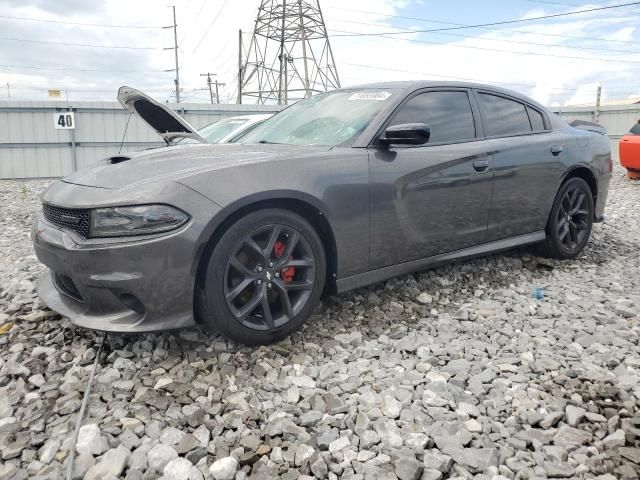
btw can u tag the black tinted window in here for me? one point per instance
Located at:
(503, 116)
(537, 122)
(635, 130)
(448, 115)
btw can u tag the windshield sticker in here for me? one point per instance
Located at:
(378, 96)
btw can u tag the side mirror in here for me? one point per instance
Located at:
(407, 134)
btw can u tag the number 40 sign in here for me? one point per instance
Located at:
(64, 121)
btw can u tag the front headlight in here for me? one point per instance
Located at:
(138, 220)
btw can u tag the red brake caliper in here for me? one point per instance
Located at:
(289, 272)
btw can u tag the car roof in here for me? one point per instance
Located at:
(411, 85)
(256, 116)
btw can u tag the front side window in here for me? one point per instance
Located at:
(502, 116)
(447, 114)
(216, 131)
(329, 119)
(635, 130)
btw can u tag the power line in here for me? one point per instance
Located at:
(76, 44)
(554, 3)
(196, 17)
(465, 79)
(343, 33)
(500, 40)
(208, 29)
(505, 22)
(468, 79)
(441, 22)
(82, 24)
(30, 67)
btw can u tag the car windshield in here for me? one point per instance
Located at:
(334, 118)
(635, 130)
(216, 131)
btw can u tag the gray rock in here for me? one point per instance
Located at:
(159, 456)
(616, 439)
(224, 468)
(48, 450)
(304, 453)
(408, 468)
(91, 441)
(574, 415)
(434, 460)
(111, 464)
(324, 439)
(181, 469)
(559, 470)
(81, 464)
(339, 444)
(570, 437)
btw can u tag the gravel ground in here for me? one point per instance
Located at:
(457, 372)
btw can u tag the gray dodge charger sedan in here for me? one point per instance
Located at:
(337, 191)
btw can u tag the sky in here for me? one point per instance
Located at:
(558, 61)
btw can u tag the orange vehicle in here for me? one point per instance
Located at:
(630, 152)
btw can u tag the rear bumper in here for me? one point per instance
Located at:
(601, 199)
(630, 152)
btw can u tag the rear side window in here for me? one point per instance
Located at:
(537, 122)
(448, 115)
(503, 117)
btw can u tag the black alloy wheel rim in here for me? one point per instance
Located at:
(269, 277)
(573, 218)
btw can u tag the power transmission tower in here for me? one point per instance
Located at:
(216, 83)
(175, 50)
(289, 56)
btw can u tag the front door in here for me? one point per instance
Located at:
(433, 198)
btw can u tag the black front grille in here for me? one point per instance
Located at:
(69, 218)
(65, 285)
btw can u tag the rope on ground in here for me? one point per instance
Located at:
(83, 407)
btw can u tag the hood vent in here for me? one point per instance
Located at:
(117, 159)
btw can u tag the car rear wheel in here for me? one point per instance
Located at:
(264, 277)
(569, 225)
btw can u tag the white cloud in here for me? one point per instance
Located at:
(545, 73)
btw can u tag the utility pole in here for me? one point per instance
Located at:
(216, 83)
(175, 51)
(239, 66)
(208, 75)
(598, 99)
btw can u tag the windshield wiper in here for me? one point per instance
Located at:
(269, 143)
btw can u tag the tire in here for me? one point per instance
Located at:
(570, 222)
(263, 278)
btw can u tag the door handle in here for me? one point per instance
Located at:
(481, 165)
(556, 150)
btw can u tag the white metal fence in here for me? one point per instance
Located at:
(31, 146)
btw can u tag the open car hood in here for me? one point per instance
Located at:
(167, 123)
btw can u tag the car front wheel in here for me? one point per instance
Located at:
(264, 277)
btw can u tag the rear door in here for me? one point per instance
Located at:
(432, 198)
(527, 162)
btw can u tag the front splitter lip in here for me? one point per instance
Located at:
(121, 322)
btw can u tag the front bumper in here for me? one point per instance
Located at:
(142, 284)
(155, 274)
